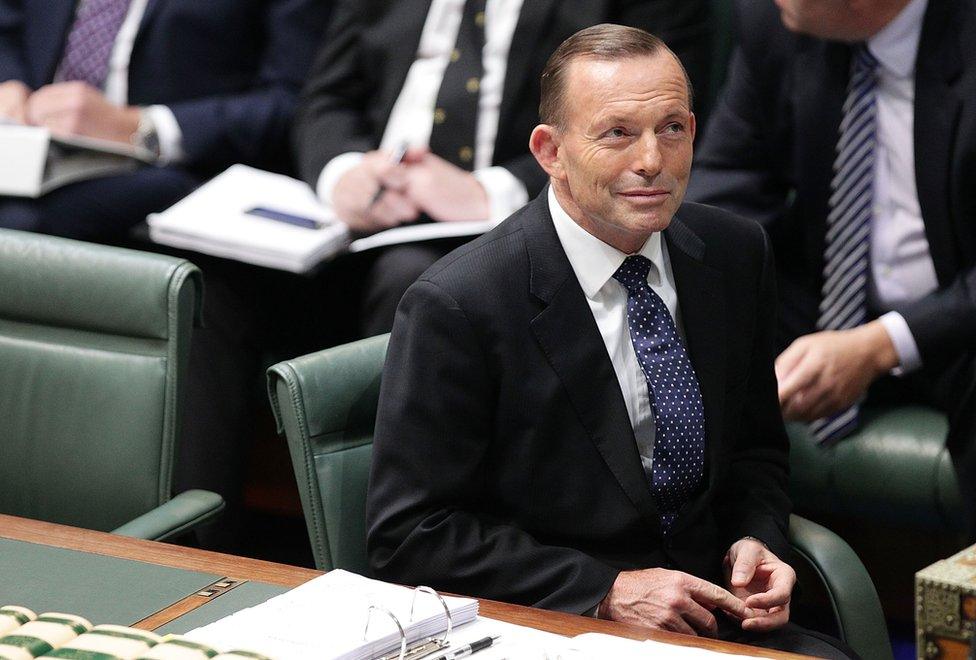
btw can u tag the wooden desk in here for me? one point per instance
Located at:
(242, 568)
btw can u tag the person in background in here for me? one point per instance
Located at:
(457, 82)
(201, 85)
(847, 129)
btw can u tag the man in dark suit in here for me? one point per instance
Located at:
(203, 85)
(398, 72)
(771, 153)
(563, 425)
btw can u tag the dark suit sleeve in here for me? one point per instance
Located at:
(733, 167)
(755, 501)
(11, 36)
(943, 323)
(331, 119)
(252, 126)
(425, 510)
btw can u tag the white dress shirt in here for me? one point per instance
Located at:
(901, 264)
(594, 263)
(117, 84)
(412, 117)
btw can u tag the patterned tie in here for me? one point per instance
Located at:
(678, 461)
(456, 112)
(843, 304)
(91, 39)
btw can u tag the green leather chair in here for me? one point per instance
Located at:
(894, 470)
(94, 341)
(326, 405)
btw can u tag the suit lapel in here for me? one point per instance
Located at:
(820, 83)
(702, 308)
(937, 110)
(571, 341)
(58, 16)
(531, 22)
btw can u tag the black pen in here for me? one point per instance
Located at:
(395, 159)
(465, 651)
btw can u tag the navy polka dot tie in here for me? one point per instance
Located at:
(678, 461)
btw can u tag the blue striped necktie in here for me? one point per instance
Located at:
(843, 304)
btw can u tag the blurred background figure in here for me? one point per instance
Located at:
(457, 83)
(847, 129)
(200, 84)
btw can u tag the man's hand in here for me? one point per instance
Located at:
(443, 191)
(763, 581)
(670, 600)
(825, 372)
(13, 100)
(76, 108)
(355, 190)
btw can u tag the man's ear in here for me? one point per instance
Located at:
(544, 145)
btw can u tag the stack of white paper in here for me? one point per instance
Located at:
(34, 162)
(218, 218)
(326, 618)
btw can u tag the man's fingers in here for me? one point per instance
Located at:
(767, 622)
(800, 377)
(700, 619)
(747, 558)
(787, 360)
(711, 596)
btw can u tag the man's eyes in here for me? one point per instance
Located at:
(616, 132)
(674, 128)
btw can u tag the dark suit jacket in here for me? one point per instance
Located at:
(230, 70)
(504, 463)
(773, 134)
(371, 45)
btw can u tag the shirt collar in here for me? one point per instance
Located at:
(896, 45)
(594, 261)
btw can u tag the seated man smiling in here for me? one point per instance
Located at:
(578, 409)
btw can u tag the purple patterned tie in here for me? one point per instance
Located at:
(90, 42)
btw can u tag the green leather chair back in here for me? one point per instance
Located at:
(326, 405)
(93, 340)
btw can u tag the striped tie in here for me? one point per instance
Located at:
(843, 304)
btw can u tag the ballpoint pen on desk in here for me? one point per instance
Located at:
(395, 159)
(464, 651)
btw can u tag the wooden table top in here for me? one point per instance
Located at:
(243, 568)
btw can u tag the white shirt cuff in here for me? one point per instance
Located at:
(901, 336)
(168, 132)
(334, 170)
(506, 194)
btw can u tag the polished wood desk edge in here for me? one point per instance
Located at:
(174, 556)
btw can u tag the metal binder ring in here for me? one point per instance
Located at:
(447, 610)
(403, 635)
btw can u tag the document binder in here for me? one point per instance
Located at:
(344, 616)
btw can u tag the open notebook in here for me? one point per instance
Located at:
(275, 221)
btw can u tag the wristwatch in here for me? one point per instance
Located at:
(146, 136)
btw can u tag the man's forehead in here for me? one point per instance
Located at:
(656, 78)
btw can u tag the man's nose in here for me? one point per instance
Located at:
(647, 161)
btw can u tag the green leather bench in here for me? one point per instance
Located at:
(894, 471)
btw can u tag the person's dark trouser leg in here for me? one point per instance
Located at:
(101, 208)
(393, 270)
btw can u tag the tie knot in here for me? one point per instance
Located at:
(633, 272)
(863, 60)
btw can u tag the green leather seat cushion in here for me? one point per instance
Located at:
(895, 469)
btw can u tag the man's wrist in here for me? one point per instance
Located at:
(881, 348)
(145, 136)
